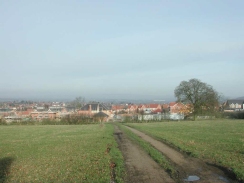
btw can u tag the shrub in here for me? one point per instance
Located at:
(235, 115)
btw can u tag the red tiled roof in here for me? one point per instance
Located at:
(134, 106)
(117, 107)
(152, 105)
(157, 110)
(172, 104)
(24, 113)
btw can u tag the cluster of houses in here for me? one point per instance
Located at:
(141, 112)
(107, 112)
(233, 106)
(31, 111)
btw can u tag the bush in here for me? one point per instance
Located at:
(235, 115)
(67, 120)
(2, 121)
(77, 120)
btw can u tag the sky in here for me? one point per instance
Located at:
(130, 49)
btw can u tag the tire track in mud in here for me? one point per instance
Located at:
(141, 168)
(187, 166)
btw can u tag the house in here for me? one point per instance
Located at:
(154, 108)
(157, 111)
(13, 118)
(178, 108)
(93, 108)
(234, 105)
(132, 108)
(141, 108)
(40, 108)
(40, 115)
(25, 113)
(56, 108)
(165, 108)
(63, 114)
(118, 108)
(6, 112)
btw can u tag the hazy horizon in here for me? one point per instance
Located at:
(134, 50)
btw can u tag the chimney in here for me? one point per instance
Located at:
(90, 108)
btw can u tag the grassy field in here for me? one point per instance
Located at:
(222, 142)
(74, 153)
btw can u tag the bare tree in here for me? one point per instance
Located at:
(200, 95)
(78, 102)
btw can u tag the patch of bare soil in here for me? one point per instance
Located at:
(188, 166)
(140, 166)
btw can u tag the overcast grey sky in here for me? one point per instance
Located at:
(130, 49)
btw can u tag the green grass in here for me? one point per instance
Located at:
(63, 153)
(154, 153)
(220, 141)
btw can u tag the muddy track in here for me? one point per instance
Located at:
(140, 166)
(187, 166)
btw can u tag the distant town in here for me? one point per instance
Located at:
(26, 110)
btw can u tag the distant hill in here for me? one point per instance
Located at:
(7, 99)
(240, 98)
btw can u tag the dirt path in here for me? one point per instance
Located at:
(187, 166)
(140, 167)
